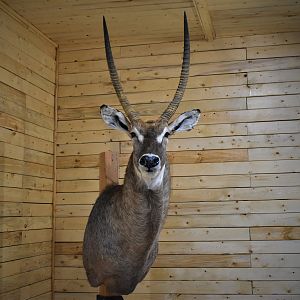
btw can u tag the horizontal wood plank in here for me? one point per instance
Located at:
(25, 223)
(24, 279)
(233, 218)
(10, 238)
(92, 295)
(25, 265)
(199, 221)
(26, 250)
(275, 233)
(273, 51)
(282, 287)
(201, 274)
(28, 80)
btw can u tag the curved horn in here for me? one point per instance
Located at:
(169, 112)
(130, 112)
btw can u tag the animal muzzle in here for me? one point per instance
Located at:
(149, 162)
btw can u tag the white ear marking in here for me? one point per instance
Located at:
(114, 118)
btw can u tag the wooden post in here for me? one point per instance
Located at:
(109, 169)
(109, 174)
(103, 291)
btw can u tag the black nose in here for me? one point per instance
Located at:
(149, 161)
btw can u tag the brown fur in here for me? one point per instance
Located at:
(121, 236)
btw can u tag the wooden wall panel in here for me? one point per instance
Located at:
(232, 230)
(76, 23)
(27, 75)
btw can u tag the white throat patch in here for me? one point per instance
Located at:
(153, 181)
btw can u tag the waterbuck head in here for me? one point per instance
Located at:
(149, 138)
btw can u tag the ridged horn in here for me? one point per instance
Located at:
(171, 109)
(130, 112)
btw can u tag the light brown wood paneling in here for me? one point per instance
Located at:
(232, 226)
(27, 61)
(75, 24)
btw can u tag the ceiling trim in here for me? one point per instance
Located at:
(205, 19)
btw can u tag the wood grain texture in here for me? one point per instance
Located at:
(232, 230)
(77, 26)
(234, 207)
(27, 75)
(244, 153)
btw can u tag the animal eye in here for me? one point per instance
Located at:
(133, 135)
(166, 134)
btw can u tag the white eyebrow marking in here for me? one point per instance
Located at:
(138, 134)
(160, 137)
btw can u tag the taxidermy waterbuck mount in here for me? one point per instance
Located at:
(121, 236)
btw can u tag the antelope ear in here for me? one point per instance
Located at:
(185, 121)
(114, 118)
